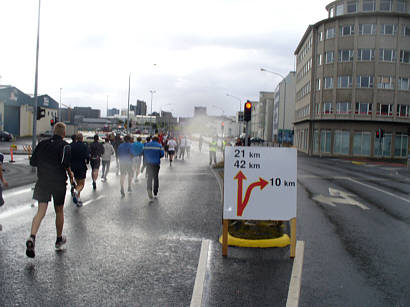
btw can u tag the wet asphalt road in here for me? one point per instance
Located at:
(129, 252)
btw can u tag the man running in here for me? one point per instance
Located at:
(125, 157)
(79, 159)
(137, 149)
(106, 158)
(52, 159)
(5, 183)
(96, 151)
(153, 153)
(172, 144)
(212, 151)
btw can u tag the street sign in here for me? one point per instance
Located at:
(260, 183)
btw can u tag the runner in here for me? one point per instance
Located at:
(125, 158)
(182, 147)
(188, 147)
(52, 159)
(137, 149)
(79, 159)
(96, 151)
(116, 143)
(171, 149)
(153, 153)
(5, 183)
(212, 151)
(201, 140)
(106, 158)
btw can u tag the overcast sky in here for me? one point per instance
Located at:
(191, 52)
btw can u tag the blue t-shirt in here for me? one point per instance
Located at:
(124, 152)
(137, 148)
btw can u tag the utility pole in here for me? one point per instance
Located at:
(34, 139)
(128, 109)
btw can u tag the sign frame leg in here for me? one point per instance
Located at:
(292, 237)
(225, 238)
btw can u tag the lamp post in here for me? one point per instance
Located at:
(284, 99)
(128, 109)
(59, 107)
(152, 95)
(33, 144)
(240, 110)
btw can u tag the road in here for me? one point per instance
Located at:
(135, 253)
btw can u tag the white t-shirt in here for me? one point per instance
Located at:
(108, 152)
(171, 145)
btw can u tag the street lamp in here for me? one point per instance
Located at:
(59, 107)
(240, 110)
(284, 98)
(152, 95)
(33, 144)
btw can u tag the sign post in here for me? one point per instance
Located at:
(260, 183)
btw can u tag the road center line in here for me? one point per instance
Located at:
(296, 278)
(196, 300)
(93, 200)
(377, 189)
(11, 194)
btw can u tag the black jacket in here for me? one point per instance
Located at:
(80, 156)
(52, 157)
(96, 150)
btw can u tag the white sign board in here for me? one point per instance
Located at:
(260, 183)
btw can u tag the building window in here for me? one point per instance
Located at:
(384, 109)
(382, 146)
(401, 145)
(318, 84)
(320, 36)
(385, 5)
(405, 56)
(347, 30)
(346, 55)
(404, 84)
(401, 6)
(319, 60)
(341, 142)
(388, 29)
(361, 143)
(406, 30)
(387, 55)
(369, 5)
(329, 57)
(332, 12)
(352, 6)
(385, 82)
(325, 140)
(327, 108)
(403, 110)
(328, 82)
(316, 141)
(339, 9)
(343, 107)
(330, 33)
(344, 81)
(363, 108)
(367, 29)
(364, 81)
(365, 54)
(317, 108)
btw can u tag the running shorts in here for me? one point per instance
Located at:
(44, 190)
(171, 152)
(126, 168)
(95, 163)
(79, 173)
(137, 161)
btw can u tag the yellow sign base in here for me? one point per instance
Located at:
(261, 243)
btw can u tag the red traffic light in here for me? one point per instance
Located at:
(378, 133)
(52, 122)
(223, 124)
(248, 105)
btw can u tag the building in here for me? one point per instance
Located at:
(284, 110)
(353, 81)
(87, 112)
(199, 111)
(113, 112)
(141, 108)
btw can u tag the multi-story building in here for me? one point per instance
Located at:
(199, 111)
(113, 112)
(141, 108)
(353, 79)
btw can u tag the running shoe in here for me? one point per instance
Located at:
(150, 196)
(80, 203)
(122, 192)
(30, 247)
(60, 244)
(75, 197)
(94, 185)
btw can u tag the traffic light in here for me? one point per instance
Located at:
(379, 133)
(52, 122)
(40, 113)
(247, 114)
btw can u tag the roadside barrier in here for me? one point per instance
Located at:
(28, 150)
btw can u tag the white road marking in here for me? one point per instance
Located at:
(15, 211)
(296, 279)
(93, 200)
(196, 300)
(11, 194)
(339, 197)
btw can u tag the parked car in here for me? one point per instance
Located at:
(5, 136)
